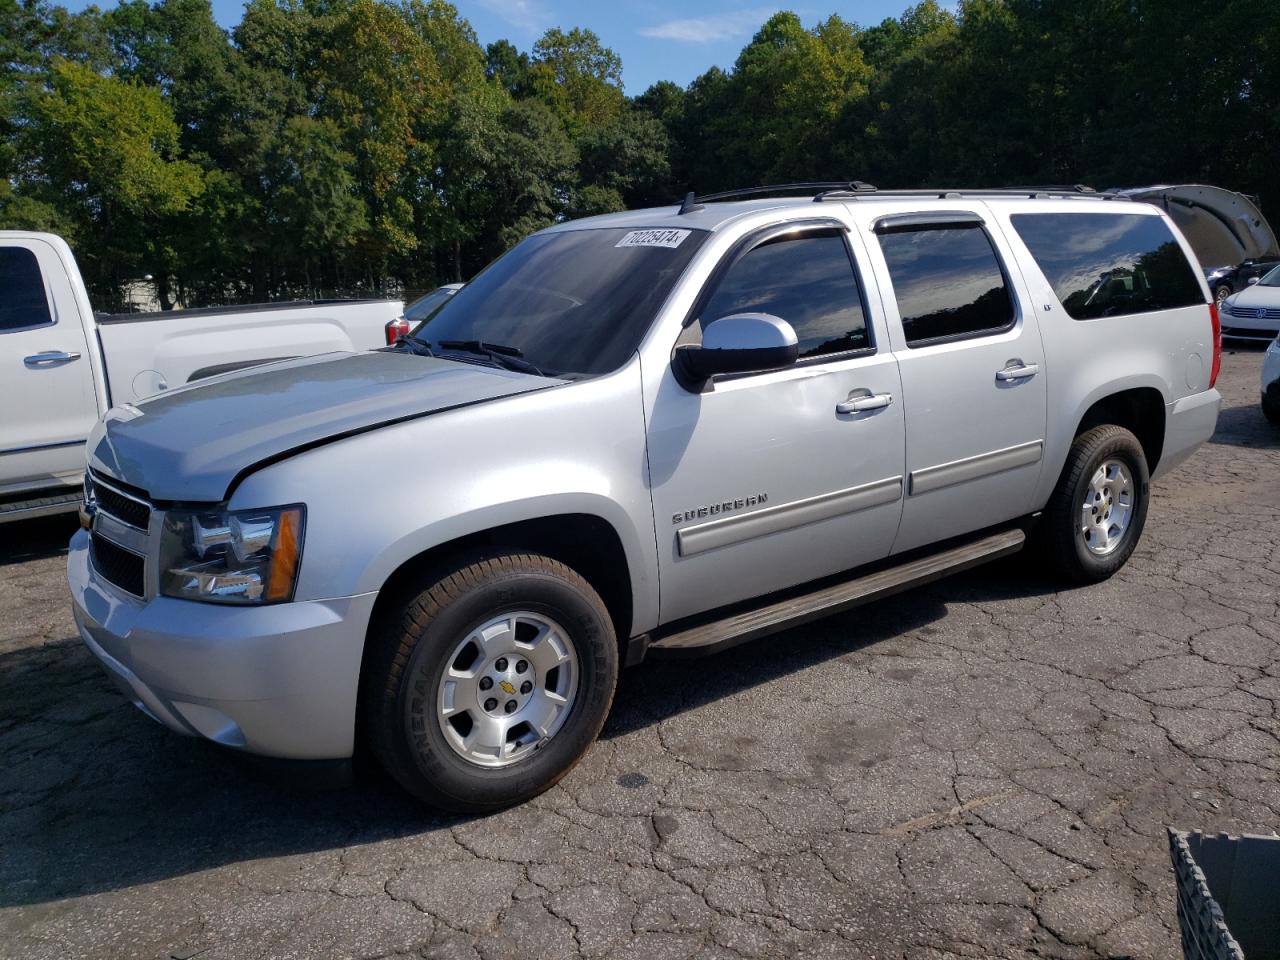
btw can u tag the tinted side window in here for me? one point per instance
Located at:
(948, 283)
(23, 303)
(1104, 264)
(808, 282)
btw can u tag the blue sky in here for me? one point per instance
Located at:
(657, 39)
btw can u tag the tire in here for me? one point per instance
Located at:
(1220, 293)
(1093, 557)
(1271, 409)
(407, 694)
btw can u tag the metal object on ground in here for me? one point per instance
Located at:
(1227, 905)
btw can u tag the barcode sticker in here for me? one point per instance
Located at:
(653, 238)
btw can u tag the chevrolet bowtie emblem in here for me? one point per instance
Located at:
(506, 686)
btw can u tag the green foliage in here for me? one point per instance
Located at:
(578, 77)
(329, 144)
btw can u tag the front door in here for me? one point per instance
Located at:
(762, 482)
(973, 373)
(46, 388)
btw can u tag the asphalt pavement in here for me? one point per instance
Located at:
(983, 767)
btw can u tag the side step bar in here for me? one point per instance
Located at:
(780, 615)
(40, 506)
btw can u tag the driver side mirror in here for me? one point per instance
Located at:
(739, 343)
(1252, 280)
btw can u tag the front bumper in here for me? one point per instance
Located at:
(1189, 422)
(278, 680)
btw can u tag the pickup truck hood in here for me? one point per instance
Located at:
(192, 443)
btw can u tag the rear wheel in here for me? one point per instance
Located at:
(492, 683)
(1095, 516)
(1220, 294)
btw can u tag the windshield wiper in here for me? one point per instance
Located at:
(415, 346)
(510, 358)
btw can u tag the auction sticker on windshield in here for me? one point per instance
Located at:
(653, 238)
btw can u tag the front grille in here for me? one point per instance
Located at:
(1254, 313)
(116, 564)
(124, 508)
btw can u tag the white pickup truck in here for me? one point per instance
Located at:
(63, 367)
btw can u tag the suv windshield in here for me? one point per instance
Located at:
(573, 302)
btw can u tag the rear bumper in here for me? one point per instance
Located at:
(279, 680)
(1189, 422)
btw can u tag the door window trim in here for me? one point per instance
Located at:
(947, 220)
(44, 287)
(792, 230)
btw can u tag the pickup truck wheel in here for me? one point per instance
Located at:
(1092, 522)
(492, 683)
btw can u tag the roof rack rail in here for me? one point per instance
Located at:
(853, 189)
(952, 193)
(694, 201)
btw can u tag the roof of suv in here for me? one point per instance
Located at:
(707, 215)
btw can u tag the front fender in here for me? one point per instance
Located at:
(378, 499)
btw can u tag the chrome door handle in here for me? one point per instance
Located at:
(1018, 373)
(49, 358)
(864, 403)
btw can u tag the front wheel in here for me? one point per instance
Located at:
(1220, 294)
(1095, 516)
(492, 683)
(1271, 407)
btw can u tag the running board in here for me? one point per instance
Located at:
(748, 625)
(41, 506)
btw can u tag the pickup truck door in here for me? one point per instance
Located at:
(761, 482)
(47, 399)
(973, 370)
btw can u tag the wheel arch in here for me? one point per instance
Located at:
(1140, 410)
(585, 542)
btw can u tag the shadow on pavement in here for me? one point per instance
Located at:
(95, 797)
(1246, 427)
(661, 688)
(37, 539)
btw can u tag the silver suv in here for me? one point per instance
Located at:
(656, 432)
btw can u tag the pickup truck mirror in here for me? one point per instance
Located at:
(739, 343)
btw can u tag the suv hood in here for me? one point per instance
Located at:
(1222, 227)
(193, 442)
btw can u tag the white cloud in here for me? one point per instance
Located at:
(721, 26)
(528, 15)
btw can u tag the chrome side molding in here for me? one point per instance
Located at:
(786, 516)
(971, 468)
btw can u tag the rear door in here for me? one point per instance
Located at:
(46, 388)
(972, 366)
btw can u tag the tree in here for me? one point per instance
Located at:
(508, 67)
(108, 156)
(316, 208)
(629, 159)
(578, 77)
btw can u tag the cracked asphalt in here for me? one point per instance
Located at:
(984, 767)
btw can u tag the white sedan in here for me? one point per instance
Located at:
(1271, 382)
(1254, 312)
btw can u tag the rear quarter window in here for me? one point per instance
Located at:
(1109, 264)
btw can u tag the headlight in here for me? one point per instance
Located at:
(221, 556)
